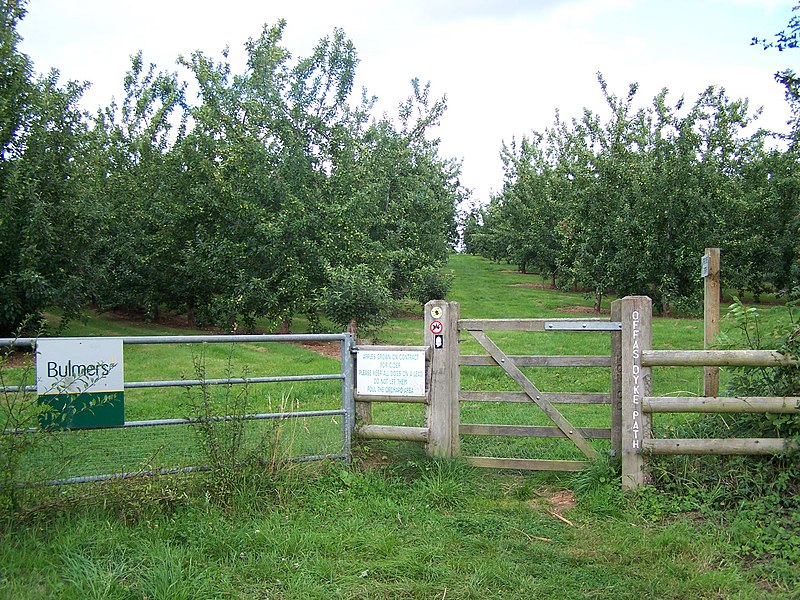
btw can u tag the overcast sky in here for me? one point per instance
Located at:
(505, 65)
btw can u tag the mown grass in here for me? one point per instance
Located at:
(394, 524)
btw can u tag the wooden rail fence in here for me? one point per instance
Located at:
(630, 400)
(639, 405)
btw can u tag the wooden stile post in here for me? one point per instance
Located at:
(636, 316)
(616, 381)
(363, 412)
(711, 288)
(442, 413)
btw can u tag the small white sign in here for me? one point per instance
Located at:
(704, 266)
(390, 373)
(78, 365)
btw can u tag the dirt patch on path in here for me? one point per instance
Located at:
(553, 501)
(327, 349)
(17, 358)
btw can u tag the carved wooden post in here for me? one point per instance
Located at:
(636, 316)
(616, 381)
(442, 413)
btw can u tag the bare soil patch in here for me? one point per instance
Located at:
(17, 358)
(165, 318)
(553, 500)
(561, 500)
(328, 349)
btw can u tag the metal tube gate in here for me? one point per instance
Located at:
(345, 374)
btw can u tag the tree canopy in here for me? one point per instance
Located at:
(626, 200)
(241, 203)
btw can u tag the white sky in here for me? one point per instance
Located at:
(505, 65)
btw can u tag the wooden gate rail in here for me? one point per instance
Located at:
(593, 324)
(715, 358)
(724, 446)
(393, 432)
(718, 404)
(539, 431)
(481, 360)
(522, 397)
(545, 400)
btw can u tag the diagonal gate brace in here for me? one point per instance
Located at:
(509, 367)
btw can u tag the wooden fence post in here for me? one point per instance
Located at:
(363, 412)
(616, 382)
(711, 292)
(442, 413)
(636, 316)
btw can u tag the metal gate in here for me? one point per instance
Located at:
(167, 448)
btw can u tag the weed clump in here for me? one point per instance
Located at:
(754, 500)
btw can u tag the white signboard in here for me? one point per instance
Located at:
(78, 365)
(390, 372)
(704, 270)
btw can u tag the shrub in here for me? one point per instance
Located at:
(430, 283)
(356, 297)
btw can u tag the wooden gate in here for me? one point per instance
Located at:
(546, 402)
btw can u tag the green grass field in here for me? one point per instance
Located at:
(394, 524)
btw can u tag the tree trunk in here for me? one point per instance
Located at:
(352, 328)
(285, 326)
(598, 301)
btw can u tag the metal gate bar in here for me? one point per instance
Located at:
(347, 412)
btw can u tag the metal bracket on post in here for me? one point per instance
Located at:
(583, 326)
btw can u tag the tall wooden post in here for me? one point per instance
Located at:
(616, 381)
(442, 413)
(636, 316)
(711, 287)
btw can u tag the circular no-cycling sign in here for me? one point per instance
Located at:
(437, 327)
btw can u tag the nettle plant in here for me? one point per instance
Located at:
(767, 381)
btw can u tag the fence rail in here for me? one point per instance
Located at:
(715, 358)
(639, 405)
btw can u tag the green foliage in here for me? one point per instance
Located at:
(356, 297)
(45, 218)
(396, 532)
(230, 208)
(754, 499)
(430, 283)
(220, 425)
(625, 200)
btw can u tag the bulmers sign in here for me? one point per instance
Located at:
(81, 380)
